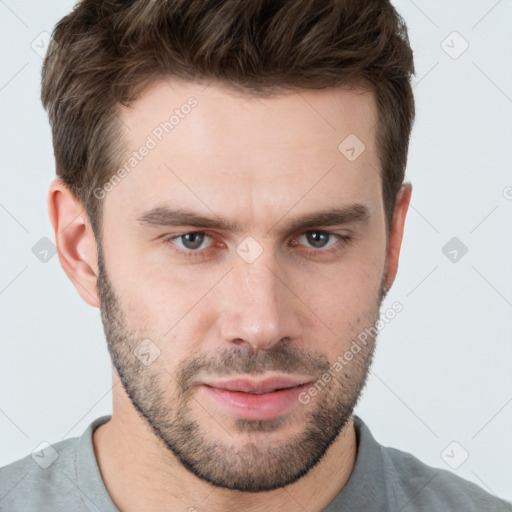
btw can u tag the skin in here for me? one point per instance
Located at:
(261, 163)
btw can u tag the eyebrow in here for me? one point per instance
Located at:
(162, 216)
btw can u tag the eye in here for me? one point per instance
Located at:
(198, 244)
(318, 239)
(191, 241)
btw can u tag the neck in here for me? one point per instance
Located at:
(140, 473)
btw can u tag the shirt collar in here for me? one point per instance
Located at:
(366, 486)
(364, 490)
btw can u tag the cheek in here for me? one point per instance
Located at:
(343, 299)
(156, 308)
(173, 311)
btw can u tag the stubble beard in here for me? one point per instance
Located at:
(254, 465)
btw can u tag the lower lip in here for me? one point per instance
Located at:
(264, 406)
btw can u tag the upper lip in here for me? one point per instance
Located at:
(251, 385)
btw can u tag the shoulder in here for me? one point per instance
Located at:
(45, 479)
(415, 485)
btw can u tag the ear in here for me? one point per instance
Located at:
(76, 244)
(396, 233)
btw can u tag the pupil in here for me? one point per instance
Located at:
(317, 238)
(193, 240)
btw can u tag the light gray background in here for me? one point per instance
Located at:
(443, 369)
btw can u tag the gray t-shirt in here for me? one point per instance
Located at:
(66, 477)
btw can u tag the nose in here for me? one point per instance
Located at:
(259, 309)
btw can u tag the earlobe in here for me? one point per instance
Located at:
(76, 244)
(396, 233)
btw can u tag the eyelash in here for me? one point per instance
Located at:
(343, 240)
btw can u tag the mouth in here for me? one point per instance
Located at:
(256, 399)
(258, 386)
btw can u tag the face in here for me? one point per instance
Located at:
(242, 254)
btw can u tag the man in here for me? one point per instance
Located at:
(230, 194)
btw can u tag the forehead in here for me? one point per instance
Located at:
(211, 148)
(300, 116)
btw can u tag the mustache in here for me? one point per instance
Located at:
(280, 357)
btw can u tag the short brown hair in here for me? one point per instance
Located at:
(104, 53)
